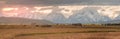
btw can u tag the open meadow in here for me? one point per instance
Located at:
(58, 32)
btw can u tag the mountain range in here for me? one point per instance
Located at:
(87, 15)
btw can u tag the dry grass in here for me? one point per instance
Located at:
(58, 32)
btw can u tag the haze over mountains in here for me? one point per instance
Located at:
(88, 15)
(85, 16)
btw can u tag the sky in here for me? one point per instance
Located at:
(41, 8)
(67, 11)
(68, 4)
(64, 2)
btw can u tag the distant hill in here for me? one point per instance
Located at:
(16, 20)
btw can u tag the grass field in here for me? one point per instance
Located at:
(58, 32)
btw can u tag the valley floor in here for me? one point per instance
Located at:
(60, 33)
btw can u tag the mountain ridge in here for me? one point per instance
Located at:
(17, 20)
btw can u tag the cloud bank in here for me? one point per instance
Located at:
(65, 2)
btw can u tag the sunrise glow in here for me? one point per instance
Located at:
(9, 9)
(110, 11)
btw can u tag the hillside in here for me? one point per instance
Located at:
(15, 20)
